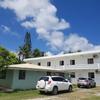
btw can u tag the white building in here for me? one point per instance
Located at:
(72, 66)
(75, 65)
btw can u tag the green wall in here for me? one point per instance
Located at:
(8, 81)
(12, 79)
(30, 80)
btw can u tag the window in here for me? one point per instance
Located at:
(90, 61)
(54, 78)
(3, 74)
(39, 64)
(44, 78)
(72, 62)
(91, 75)
(58, 79)
(72, 74)
(48, 73)
(48, 63)
(22, 74)
(61, 62)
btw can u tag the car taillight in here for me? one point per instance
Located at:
(49, 82)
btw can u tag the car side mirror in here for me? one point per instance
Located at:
(66, 80)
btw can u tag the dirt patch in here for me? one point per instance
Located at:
(47, 98)
(77, 94)
(97, 94)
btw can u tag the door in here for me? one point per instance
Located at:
(63, 84)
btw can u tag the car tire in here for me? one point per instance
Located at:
(89, 86)
(94, 85)
(42, 92)
(78, 86)
(55, 90)
(70, 88)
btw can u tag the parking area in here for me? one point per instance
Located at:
(77, 94)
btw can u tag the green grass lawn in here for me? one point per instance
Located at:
(77, 94)
(20, 95)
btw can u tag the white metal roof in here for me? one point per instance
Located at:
(65, 55)
(28, 66)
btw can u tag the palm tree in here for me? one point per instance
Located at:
(26, 48)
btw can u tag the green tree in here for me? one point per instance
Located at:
(37, 53)
(27, 41)
(26, 48)
(7, 58)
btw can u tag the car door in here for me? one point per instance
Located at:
(62, 83)
(59, 83)
(65, 84)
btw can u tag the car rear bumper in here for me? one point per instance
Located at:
(82, 85)
(46, 89)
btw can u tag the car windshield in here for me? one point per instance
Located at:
(44, 78)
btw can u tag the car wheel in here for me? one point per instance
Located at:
(42, 92)
(89, 86)
(70, 89)
(55, 90)
(78, 86)
(94, 85)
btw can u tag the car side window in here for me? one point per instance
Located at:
(61, 79)
(89, 78)
(54, 78)
(58, 79)
(44, 78)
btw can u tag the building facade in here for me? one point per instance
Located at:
(75, 65)
(71, 66)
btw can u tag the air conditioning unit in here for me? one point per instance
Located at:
(97, 71)
(95, 56)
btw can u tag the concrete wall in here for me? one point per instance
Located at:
(30, 80)
(80, 73)
(84, 73)
(32, 77)
(8, 81)
(97, 78)
(79, 59)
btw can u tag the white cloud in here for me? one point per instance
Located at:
(6, 30)
(75, 42)
(42, 16)
(48, 53)
(56, 40)
(61, 53)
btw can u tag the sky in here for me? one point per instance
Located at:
(55, 25)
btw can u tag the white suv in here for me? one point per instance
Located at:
(53, 84)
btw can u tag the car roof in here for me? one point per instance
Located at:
(84, 78)
(53, 76)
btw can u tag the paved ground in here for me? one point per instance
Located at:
(77, 94)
